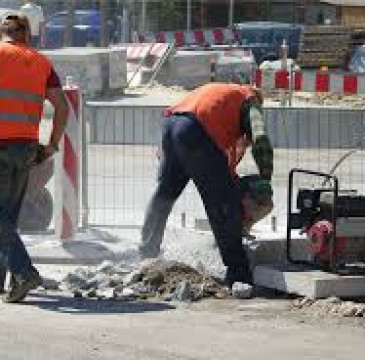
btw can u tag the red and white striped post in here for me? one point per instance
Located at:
(68, 169)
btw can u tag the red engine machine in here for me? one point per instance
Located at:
(329, 218)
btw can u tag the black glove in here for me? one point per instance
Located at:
(263, 155)
(40, 155)
(256, 186)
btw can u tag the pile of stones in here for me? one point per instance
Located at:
(166, 280)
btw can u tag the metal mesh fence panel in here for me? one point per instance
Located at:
(122, 158)
(123, 163)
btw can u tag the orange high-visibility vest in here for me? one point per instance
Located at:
(217, 107)
(23, 78)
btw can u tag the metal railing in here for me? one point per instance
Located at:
(122, 167)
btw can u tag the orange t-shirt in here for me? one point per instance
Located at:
(217, 107)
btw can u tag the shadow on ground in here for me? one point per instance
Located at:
(70, 305)
(87, 252)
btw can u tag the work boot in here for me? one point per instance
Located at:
(19, 286)
(241, 274)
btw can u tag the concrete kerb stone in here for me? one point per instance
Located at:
(313, 284)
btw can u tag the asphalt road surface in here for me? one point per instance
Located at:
(55, 326)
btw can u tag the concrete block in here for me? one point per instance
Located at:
(83, 66)
(117, 69)
(191, 64)
(228, 66)
(314, 284)
(97, 71)
(187, 69)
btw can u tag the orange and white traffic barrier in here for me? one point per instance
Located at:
(68, 168)
(321, 81)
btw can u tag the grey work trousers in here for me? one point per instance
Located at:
(189, 153)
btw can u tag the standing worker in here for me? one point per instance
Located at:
(26, 80)
(35, 15)
(201, 134)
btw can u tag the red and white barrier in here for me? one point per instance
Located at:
(67, 169)
(137, 51)
(216, 36)
(339, 83)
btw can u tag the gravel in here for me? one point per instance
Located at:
(330, 306)
(155, 278)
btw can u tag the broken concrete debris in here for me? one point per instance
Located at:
(241, 290)
(317, 99)
(166, 280)
(331, 306)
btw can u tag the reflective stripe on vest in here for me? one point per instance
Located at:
(11, 94)
(18, 117)
(20, 97)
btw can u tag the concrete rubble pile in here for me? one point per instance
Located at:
(156, 87)
(329, 99)
(165, 280)
(320, 99)
(331, 306)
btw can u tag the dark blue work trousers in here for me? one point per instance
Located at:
(189, 153)
(16, 160)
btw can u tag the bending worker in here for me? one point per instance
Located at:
(26, 80)
(199, 141)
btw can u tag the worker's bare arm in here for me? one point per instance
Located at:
(58, 100)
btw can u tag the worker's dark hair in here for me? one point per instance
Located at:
(16, 27)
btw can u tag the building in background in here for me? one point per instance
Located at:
(154, 15)
(164, 15)
(345, 12)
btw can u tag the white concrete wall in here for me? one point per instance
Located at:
(96, 71)
(187, 69)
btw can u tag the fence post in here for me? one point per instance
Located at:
(284, 68)
(291, 84)
(84, 166)
(67, 180)
(213, 67)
